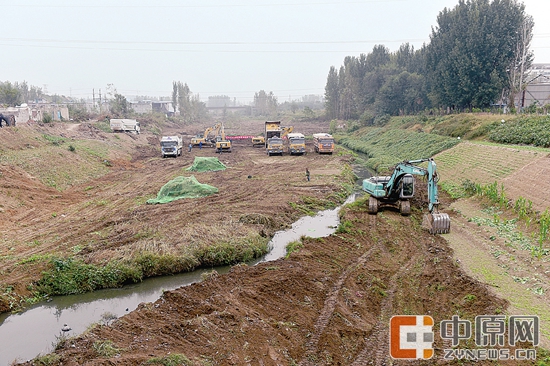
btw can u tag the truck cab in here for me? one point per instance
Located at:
(296, 144)
(274, 146)
(171, 146)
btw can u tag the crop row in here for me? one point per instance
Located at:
(526, 130)
(384, 148)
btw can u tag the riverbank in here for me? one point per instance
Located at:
(90, 234)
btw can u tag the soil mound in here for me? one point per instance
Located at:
(206, 164)
(183, 187)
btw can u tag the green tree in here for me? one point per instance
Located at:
(470, 51)
(9, 94)
(119, 106)
(332, 94)
(402, 94)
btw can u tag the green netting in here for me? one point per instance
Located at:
(183, 187)
(204, 164)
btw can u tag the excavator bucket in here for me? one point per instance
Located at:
(437, 223)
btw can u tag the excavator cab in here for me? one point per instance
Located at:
(407, 186)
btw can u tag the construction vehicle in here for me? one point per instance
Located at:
(9, 119)
(124, 125)
(222, 143)
(272, 129)
(258, 141)
(285, 131)
(274, 146)
(323, 143)
(171, 146)
(296, 144)
(203, 140)
(397, 189)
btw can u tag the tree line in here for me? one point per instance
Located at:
(478, 54)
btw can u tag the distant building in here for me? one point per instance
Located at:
(35, 112)
(148, 106)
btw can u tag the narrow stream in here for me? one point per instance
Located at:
(25, 335)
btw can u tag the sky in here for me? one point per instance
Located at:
(218, 47)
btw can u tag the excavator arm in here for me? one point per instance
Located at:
(286, 131)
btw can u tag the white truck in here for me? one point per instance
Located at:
(171, 146)
(124, 125)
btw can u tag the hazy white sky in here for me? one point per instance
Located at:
(229, 47)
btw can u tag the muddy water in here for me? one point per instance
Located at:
(25, 335)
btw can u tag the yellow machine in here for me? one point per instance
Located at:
(296, 144)
(286, 131)
(222, 144)
(258, 141)
(206, 142)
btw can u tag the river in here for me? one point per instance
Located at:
(34, 331)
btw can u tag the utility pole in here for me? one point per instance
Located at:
(99, 100)
(93, 98)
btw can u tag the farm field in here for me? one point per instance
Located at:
(328, 302)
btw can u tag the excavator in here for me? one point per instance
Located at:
(396, 190)
(10, 120)
(286, 131)
(196, 141)
(222, 144)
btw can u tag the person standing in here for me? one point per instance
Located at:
(190, 146)
(200, 145)
(307, 174)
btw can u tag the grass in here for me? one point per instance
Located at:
(387, 147)
(71, 275)
(105, 348)
(175, 359)
(293, 246)
(47, 360)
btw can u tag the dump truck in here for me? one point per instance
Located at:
(272, 129)
(296, 143)
(171, 146)
(323, 143)
(397, 189)
(274, 146)
(124, 125)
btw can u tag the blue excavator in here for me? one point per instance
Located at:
(397, 189)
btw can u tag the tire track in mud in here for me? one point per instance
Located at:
(328, 309)
(377, 350)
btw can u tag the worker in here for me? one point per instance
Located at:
(190, 146)
(200, 145)
(307, 174)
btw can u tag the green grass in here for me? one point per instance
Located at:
(105, 348)
(170, 360)
(385, 148)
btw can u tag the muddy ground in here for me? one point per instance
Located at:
(329, 303)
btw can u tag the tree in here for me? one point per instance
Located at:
(175, 95)
(119, 106)
(265, 104)
(332, 94)
(471, 50)
(9, 94)
(522, 61)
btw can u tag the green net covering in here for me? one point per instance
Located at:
(183, 187)
(204, 164)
